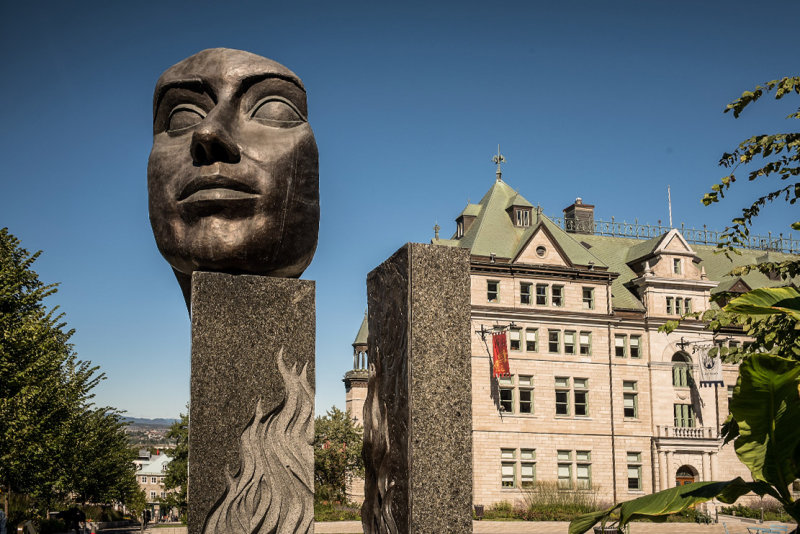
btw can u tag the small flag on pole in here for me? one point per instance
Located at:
(500, 355)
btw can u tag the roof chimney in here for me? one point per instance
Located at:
(579, 218)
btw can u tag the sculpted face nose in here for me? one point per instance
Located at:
(211, 143)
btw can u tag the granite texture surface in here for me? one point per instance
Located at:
(418, 412)
(251, 461)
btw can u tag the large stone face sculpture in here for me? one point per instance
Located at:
(233, 174)
(234, 205)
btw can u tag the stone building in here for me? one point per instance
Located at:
(150, 472)
(597, 396)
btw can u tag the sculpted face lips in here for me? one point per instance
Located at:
(233, 174)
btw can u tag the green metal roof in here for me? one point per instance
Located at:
(471, 209)
(494, 232)
(363, 332)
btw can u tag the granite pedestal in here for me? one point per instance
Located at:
(418, 411)
(251, 458)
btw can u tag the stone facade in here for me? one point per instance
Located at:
(597, 397)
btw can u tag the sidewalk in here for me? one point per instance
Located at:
(515, 527)
(558, 527)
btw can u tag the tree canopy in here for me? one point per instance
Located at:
(54, 443)
(337, 454)
(178, 468)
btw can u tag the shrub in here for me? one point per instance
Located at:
(336, 511)
(547, 502)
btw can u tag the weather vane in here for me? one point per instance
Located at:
(499, 159)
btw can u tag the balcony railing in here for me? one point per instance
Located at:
(697, 236)
(697, 432)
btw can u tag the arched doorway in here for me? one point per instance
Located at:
(686, 475)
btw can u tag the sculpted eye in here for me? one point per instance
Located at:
(183, 117)
(277, 112)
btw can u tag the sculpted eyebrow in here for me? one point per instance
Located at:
(196, 84)
(249, 81)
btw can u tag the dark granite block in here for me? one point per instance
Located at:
(251, 463)
(418, 411)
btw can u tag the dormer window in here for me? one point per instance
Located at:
(522, 217)
(676, 265)
(459, 229)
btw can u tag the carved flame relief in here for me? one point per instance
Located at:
(273, 490)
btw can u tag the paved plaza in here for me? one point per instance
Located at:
(734, 526)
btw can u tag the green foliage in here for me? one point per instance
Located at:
(657, 506)
(178, 468)
(337, 454)
(766, 408)
(771, 510)
(54, 443)
(779, 156)
(546, 502)
(336, 511)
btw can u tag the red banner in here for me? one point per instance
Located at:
(500, 355)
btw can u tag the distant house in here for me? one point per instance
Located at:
(150, 472)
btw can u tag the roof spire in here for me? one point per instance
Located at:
(436, 229)
(499, 159)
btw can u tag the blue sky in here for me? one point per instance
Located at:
(609, 101)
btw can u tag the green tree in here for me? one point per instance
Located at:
(98, 461)
(337, 454)
(53, 442)
(178, 468)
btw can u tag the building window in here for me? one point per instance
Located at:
(523, 217)
(687, 306)
(676, 265)
(678, 305)
(514, 337)
(564, 469)
(586, 343)
(525, 394)
(152, 496)
(163, 494)
(553, 341)
(670, 306)
(630, 400)
(588, 298)
(531, 335)
(635, 346)
(506, 386)
(562, 395)
(492, 290)
(569, 342)
(681, 370)
(527, 467)
(508, 468)
(684, 415)
(541, 294)
(153, 480)
(558, 295)
(524, 293)
(620, 345)
(144, 480)
(581, 396)
(459, 229)
(583, 469)
(634, 471)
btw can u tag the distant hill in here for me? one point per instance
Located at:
(143, 421)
